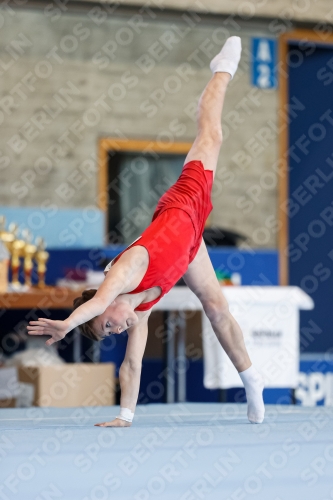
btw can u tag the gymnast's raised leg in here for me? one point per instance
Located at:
(200, 276)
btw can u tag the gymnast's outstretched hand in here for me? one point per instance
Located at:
(57, 329)
(117, 422)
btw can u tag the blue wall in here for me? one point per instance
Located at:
(257, 267)
(60, 228)
(311, 189)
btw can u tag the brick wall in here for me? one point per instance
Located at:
(70, 78)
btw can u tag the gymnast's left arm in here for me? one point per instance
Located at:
(117, 281)
(130, 374)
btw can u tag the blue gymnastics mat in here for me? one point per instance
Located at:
(183, 451)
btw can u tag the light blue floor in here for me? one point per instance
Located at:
(182, 452)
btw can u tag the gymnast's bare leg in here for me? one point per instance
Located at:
(200, 276)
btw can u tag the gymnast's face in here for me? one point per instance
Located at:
(116, 318)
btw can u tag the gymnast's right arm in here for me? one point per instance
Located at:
(130, 374)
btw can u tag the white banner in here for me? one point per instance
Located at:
(269, 319)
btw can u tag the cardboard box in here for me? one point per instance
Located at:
(71, 384)
(8, 403)
(9, 386)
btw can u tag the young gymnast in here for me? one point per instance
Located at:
(171, 247)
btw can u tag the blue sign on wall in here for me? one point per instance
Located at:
(264, 62)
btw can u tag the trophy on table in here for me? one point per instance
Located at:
(41, 257)
(17, 251)
(14, 247)
(29, 251)
(7, 237)
(22, 253)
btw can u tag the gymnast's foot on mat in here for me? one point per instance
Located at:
(254, 386)
(227, 60)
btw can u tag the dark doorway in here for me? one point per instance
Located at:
(136, 182)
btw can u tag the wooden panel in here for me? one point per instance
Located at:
(48, 298)
(102, 176)
(307, 35)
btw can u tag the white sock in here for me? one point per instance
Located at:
(254, 385)
(227, 60)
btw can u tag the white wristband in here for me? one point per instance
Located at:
(125, 414)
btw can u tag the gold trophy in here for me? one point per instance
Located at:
(29, 251)
(17, 250)
(4, 255)
(7, 236)
(41, 257)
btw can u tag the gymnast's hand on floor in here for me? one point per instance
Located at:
(57, 329)
(117, 422)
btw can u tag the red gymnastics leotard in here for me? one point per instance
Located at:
(173, 238)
